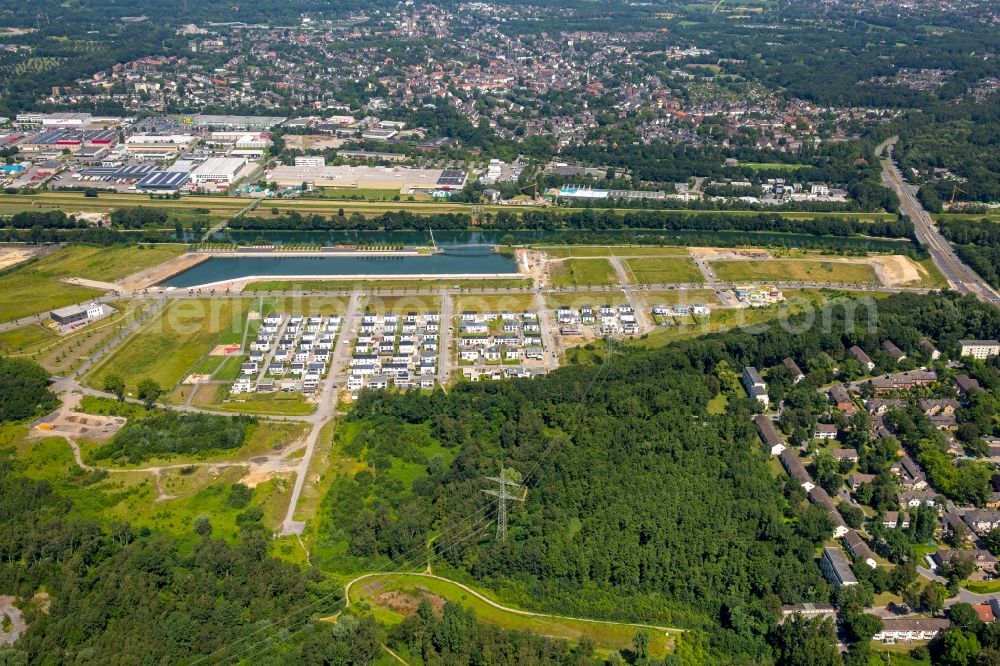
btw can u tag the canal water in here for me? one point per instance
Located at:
(217, 269)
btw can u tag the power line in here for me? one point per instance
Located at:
(255, 648)
(502, 497)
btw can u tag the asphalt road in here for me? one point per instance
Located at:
(962, 278)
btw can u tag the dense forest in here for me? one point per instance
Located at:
(959, 138)
(704, 537)
(24, 390)
(977, 243)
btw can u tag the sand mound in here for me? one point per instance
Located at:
(13, 256)
(896, 270)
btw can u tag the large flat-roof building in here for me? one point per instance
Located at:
(368, 177)
(73, 314)
(158, 145)
(220, 170)
(234, 122)
(163, 182)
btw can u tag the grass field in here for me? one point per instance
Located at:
(649, 270)
(563, 251)
(679, 297)
(794, 271)
(135, 496)
(493, 302)
(401, 304)
(108, 264)
(25, 338)
(366, 193)
(219, 208)
(578, 300)
(582, 272)
(303, 305)
(223, 207)
(168, 346)
(607, 636)
(992, 215)
(278, 403)
(36, 287)
(931, 275)
(772, 166)
(32, 289)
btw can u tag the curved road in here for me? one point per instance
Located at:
(490, 602)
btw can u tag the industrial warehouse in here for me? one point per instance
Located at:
(406, 180)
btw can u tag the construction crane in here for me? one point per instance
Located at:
(955, 189)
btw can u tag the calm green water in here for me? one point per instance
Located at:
(217, 269)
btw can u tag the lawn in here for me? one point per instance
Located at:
(305, 305)
(36, 287)
(20, 339)
(782, 270)
(679, 297)
(931, 276)
(577, 300)
(170, 345)
(493, 302)
(982, 587)
(402, 304)
(607, 636)
(230, 368)
(772, 166)
(717, 405)
(30, 290)
(582, 272)
(678, 270)
(108, 264)
(366, 193)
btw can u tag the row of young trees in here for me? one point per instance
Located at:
(593, 220)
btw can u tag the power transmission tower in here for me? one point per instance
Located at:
(502, 496)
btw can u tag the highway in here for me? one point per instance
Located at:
(961, 278)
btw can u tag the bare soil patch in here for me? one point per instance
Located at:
(13, 256)
(71, 424)
(225, 350)
(312, 141)
(727, 254)
(406, 603)
(15, 624)
(896, 270)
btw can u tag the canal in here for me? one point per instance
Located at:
(218, 269)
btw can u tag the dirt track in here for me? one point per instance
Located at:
(157, 274)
